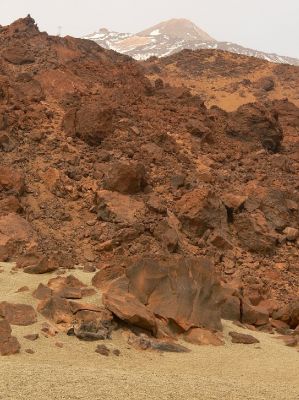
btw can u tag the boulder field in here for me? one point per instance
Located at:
(185, 214)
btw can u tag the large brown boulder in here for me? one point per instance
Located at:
(201, 210)
(89, 122)
(125, 178)
(180, 291)
(18, 314)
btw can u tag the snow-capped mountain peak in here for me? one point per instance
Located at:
(170, 37)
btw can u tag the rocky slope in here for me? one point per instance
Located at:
(106, 165)
(171, 37)
(226, 80)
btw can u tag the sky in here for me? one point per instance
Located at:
(267, 25)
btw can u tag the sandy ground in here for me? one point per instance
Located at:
(265, 371)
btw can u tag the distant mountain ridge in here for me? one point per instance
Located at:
(172, 36)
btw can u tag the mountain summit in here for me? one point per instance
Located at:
(170, 37)
(178, 29)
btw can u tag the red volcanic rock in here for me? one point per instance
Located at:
(18, 314)
(23, 289)
(253, 121)
(102, 122)
(230, 309)
(254, 315)
(290, 341)
(103, 350)
(289, 314)
(265, 83)
(18, 55)
(127, 308)
(91, 322)
(28, 259)
(90, 122)
(61, 283)
(9, 205)
(44, 266)
(242, 338)
(291, 233)
(168, 289)
(5, 330)
(107, 274)
(143, 342)
(116, 207)
(70, 293)
(15, 228)
(279, 325)
(11, 181)
(15, 234)
(8, 344)
(125, 178)
(32, 337)
(200, 210)
(233, 201)
(255, 234)
(203, 337)
(94, 330)
(278, 206)
(42, 292)
(49, 330)
(56, 309)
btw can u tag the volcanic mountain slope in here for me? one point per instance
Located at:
(171, 37)
(225, 79)
(100, 166)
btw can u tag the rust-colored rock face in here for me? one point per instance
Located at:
(104, 159)
(167, 289)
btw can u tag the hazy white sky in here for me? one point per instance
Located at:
(269, 25)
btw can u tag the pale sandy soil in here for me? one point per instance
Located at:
(268, 371)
